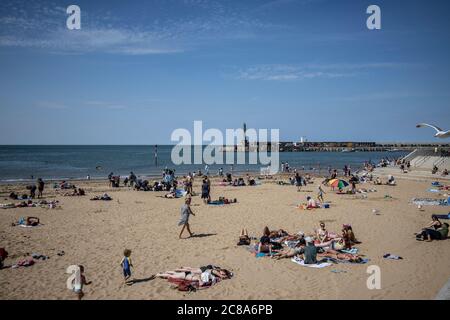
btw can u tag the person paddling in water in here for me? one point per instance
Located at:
(185, 213)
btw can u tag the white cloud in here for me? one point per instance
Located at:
(286, 72)
(33, 26)
(279, 72)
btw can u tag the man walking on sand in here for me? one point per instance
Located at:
(185, 213)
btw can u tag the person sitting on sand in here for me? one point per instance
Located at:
(311, 203)
(322, 233)
(171, 195)
(185, 214)
(432, 234)
(445, 173)
(265, 246)
(378, 181)
(244, 239)
(349, 235)
(434, 224)
(309, 252)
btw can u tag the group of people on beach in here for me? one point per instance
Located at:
(320, 245)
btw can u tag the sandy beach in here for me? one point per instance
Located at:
(95, 233)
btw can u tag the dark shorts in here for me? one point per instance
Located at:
(127, 272)
(205, 195)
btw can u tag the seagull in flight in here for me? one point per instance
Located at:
(439, 132)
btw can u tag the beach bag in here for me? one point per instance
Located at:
(338, 245)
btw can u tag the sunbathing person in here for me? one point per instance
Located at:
(104, 197)
(342, 256)
(289, 253)
(378, 181)
(244, 239)
(172, 194)
(29, 221)
(204, 276)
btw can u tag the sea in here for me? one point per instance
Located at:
(27, 163)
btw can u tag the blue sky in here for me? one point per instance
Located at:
(137, 70)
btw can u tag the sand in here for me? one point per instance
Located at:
(95, 233)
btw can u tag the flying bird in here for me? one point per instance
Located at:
(439, 132)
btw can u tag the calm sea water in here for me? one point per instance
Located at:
(19, 163)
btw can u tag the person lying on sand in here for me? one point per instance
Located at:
(378, 181)
(203, 275)
(341, 256)
(432, 234)
(76, 192)
(291, 252)
(274, 234)
(104, 197)
(29, 221)
(244, 239)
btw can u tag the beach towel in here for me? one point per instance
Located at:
(301, 262)
(291, 244)
(433, 190)
(7, 205)
(441, 216)
(350, 251)
(392, 257)
(429, 202)
(216, 203)
(363, 261)
(179, 193)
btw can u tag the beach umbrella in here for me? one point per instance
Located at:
(338, 183)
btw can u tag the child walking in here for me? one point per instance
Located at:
(126, 264)
(320, 193)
